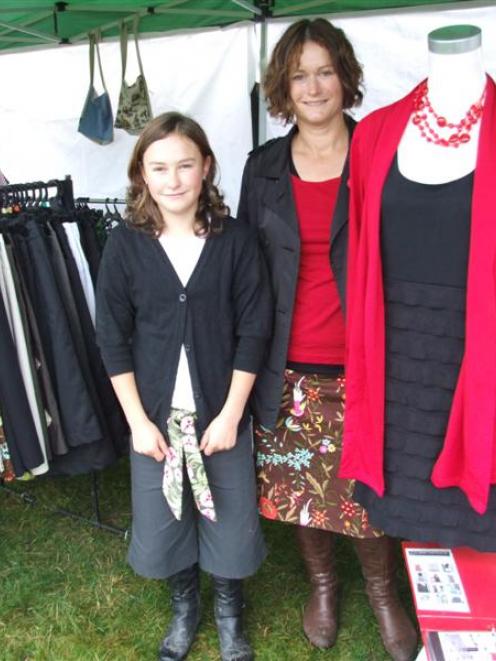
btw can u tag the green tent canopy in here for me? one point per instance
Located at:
(37, 23)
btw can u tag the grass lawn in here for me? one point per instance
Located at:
(67, 592)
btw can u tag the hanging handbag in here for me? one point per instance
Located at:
(134, 109)
(96, 121)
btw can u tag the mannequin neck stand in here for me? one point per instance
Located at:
(456, 80)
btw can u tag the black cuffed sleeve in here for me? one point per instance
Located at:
(114, 309)
(253, 303)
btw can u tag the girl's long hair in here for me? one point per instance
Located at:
(142, 210)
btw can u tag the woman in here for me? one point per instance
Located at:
(183, 313)
(289, 190)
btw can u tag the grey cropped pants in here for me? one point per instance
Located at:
(232, 546)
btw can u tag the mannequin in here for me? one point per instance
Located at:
(421, 316)
(456, 80)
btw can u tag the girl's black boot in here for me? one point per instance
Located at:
(185, 602)
(228, 607)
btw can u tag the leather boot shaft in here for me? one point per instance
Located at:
(228, 610)
(185, 602)
(317, 548)
(377, 557)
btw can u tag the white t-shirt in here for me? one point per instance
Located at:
(183, 253)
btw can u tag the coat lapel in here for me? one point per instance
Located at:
(278, 194)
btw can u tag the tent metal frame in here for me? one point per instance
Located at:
(10, 28)
(260, 10)
(30, 31)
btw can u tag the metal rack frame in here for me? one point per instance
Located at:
(66, 193)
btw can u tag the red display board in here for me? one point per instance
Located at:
(454, 590)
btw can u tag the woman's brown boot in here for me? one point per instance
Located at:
(378, 561)
(320, 615)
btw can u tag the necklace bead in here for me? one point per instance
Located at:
(461, 135)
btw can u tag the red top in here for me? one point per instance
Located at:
(468, 457)
(317, 330)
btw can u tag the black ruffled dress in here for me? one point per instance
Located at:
(425, 233)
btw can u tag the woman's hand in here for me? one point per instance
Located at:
(148, 440)
(221, 434)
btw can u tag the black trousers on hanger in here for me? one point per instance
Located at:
(18, 424)
(112, 418)
(56, 440)
(79, 419)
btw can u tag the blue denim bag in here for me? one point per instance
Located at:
(97, 121)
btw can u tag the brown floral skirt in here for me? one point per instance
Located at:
(297, 465)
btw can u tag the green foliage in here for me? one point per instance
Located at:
(68, 594)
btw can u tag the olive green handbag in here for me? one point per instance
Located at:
(134, 109)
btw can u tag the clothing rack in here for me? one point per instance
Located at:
(99, 200)
(65, 191)
(96, 521)
(65, 194)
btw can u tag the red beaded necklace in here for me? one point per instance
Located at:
(461, 133)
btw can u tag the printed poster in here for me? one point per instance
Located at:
(436, 582)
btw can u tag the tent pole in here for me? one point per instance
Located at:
(267, 9)
(32, 21)
(302, 6)
(30, 31)
(262, 124)
(249, 6)
(141, 12)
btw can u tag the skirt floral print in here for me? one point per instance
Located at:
(297, 464)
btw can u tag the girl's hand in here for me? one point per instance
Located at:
(148, 440)
(221, 434)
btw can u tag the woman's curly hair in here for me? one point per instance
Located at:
(142, 211)
(286, 55)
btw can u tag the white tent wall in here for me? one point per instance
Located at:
(206, 74)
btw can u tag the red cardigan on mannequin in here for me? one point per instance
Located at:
(468, 457)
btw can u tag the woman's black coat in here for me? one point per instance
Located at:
(266, 202)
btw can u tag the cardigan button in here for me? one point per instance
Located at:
(182, 298)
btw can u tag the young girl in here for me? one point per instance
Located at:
(183, 314)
